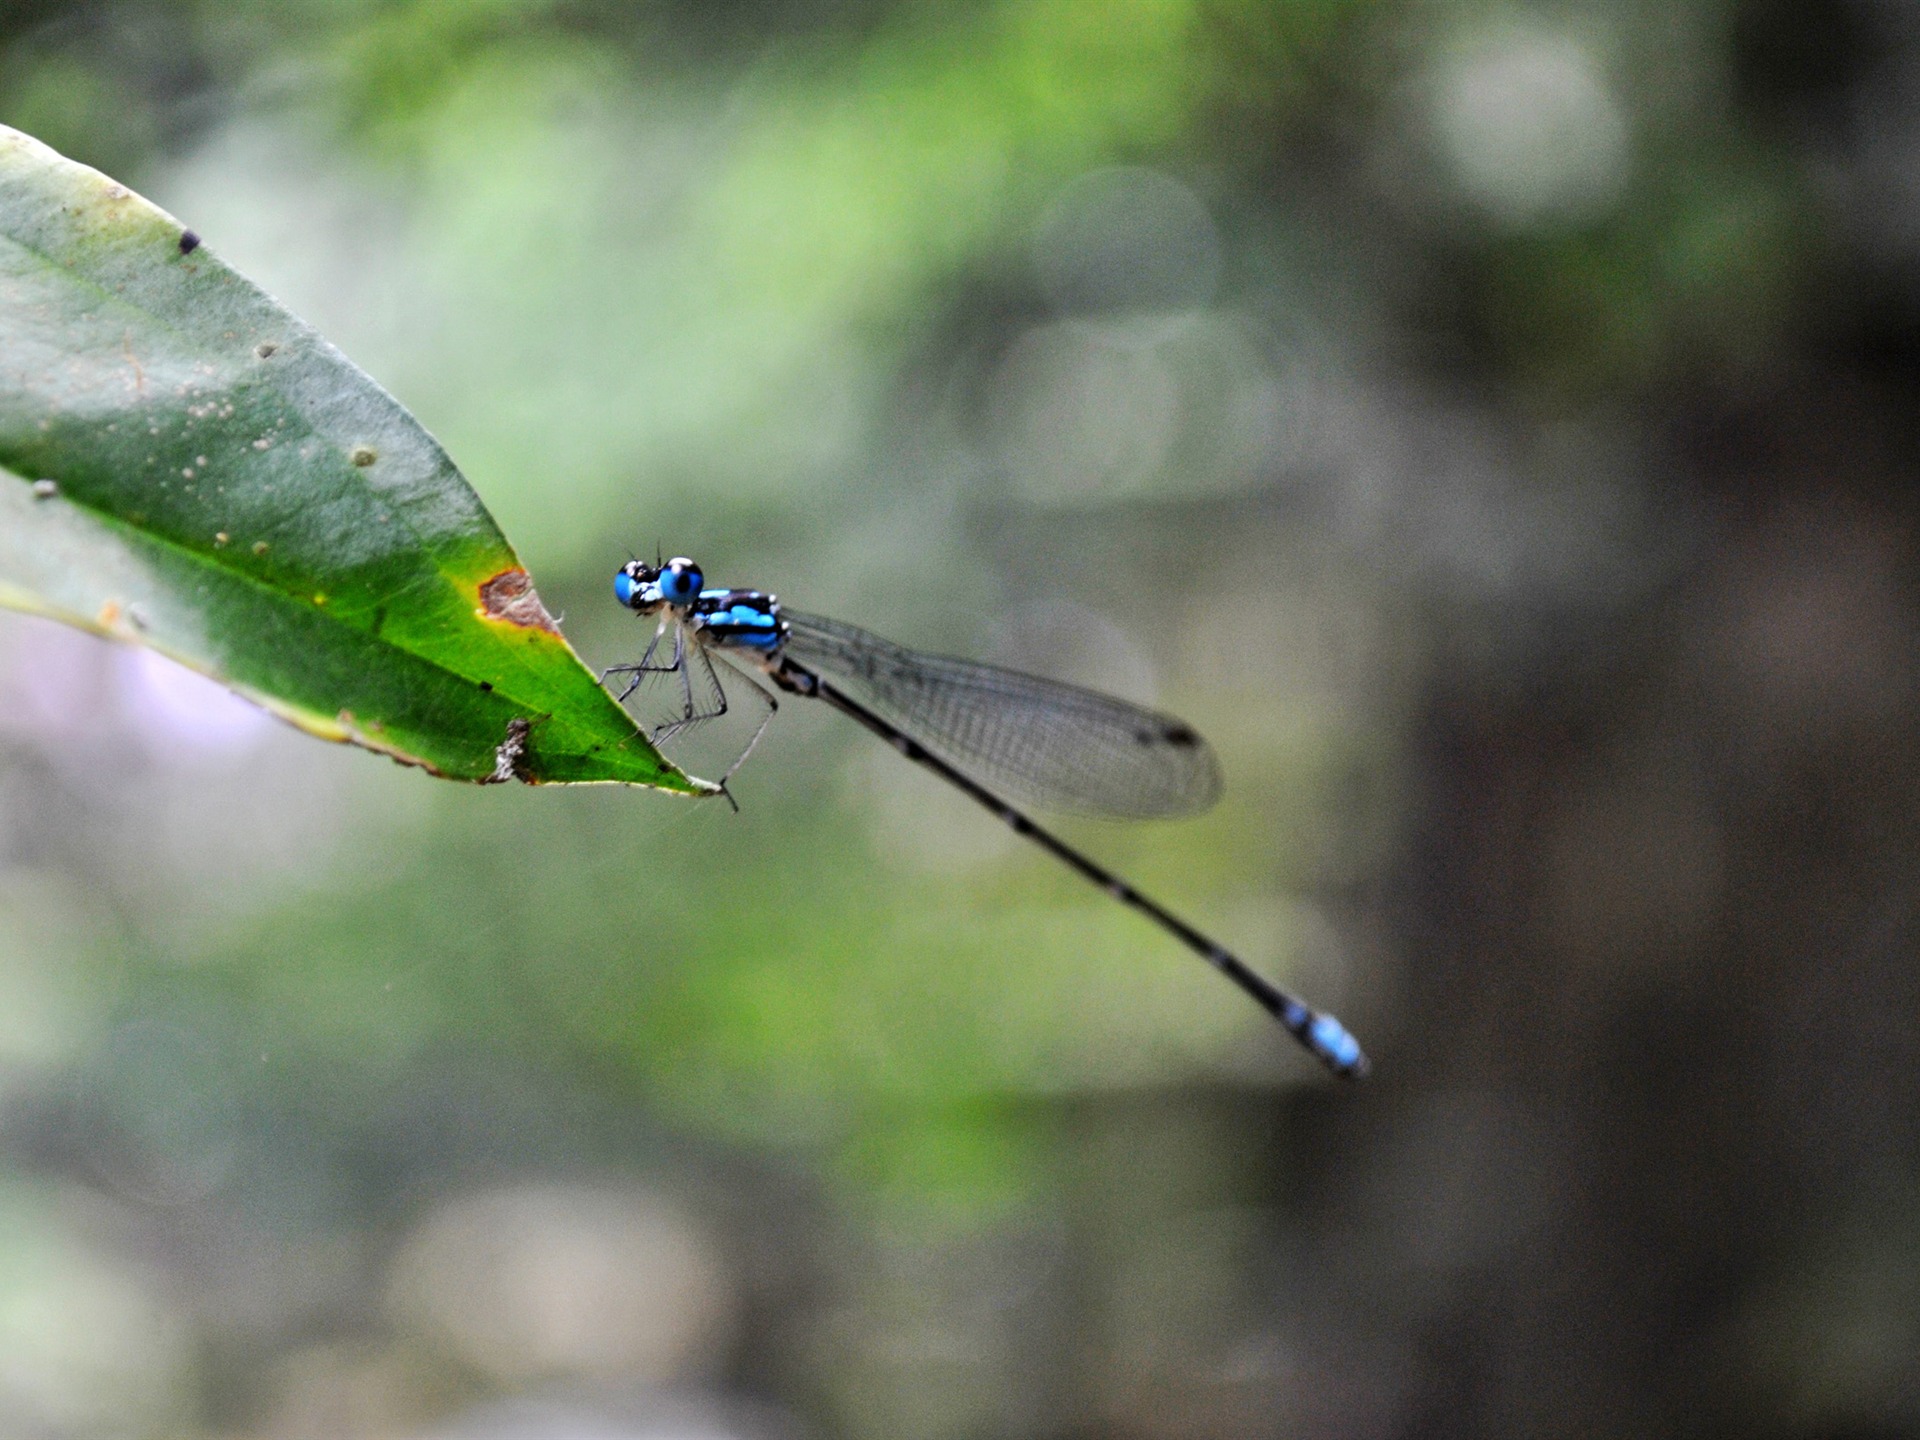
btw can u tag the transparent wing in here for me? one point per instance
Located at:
(1054, 746)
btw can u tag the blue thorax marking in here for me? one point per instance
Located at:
(749, 619)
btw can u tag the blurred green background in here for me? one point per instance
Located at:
(1492, 425)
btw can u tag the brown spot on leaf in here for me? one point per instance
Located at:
(363, 455)
(510, 596)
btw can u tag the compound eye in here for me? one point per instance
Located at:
(680, 581)
(623, 587)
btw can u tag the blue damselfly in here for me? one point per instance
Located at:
(983, 729)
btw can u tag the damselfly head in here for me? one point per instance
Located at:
(646, 588)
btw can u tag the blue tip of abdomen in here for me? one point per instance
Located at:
(1335, 1044)
(1325, 1036)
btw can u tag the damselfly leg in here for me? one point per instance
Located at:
(696, 669)
(765, 696)
(695, 673)
(637, 673)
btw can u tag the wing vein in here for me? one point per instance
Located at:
(1055, 746)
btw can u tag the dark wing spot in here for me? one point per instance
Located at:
(1182, 735)
(189, 242)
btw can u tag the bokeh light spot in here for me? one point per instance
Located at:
(560, 1280)
(1530, 128)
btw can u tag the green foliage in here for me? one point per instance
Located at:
(191, 468)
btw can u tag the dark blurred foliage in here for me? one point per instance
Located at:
(1493, 425)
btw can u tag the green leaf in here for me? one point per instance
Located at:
(189, 467)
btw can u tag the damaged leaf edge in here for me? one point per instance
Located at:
(342, 728)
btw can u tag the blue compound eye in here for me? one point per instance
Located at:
(623, 587)
(680, 581)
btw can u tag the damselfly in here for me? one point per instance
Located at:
(1055, 746)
